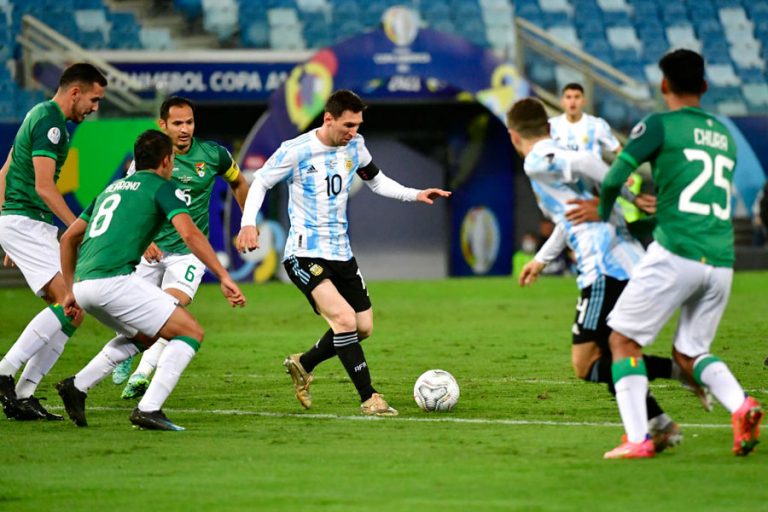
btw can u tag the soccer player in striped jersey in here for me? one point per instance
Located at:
(168, 262)
(690, 264)
(579, 131)
(319, 167)
(605, 251)
(28, 236)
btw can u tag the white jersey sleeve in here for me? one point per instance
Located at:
(605, 136)
(387, 187)
(555, 244)
(278, 168)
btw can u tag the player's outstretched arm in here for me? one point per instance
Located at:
(430, 194)
(68, 247)
(200, 247)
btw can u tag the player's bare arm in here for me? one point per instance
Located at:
(69, 244)
(45, 186)
(530, 272)
(200, 247)
(248, 238)
(7, 260)
(239, 188)
(430, 194)
(3, 173)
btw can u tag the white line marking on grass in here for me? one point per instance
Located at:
(435, 418)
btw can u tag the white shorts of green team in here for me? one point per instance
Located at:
(34, 248)
(183, 272)
(126, 304)
(663, 282)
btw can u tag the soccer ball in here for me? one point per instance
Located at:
(436, 390)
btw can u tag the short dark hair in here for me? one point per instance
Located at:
(175, 101)
(150, 149)
(573, 86)
(82, 73)
(684, 71)
(342, 100)
(528, 117)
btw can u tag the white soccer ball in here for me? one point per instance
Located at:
(436, 390)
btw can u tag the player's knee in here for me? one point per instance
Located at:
(344, 320)
(364, 331)
(196, 332)
(581, 368)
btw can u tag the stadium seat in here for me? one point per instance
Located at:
(280, 39)
(751, 75)
(616, 18)
(156, 38)
(683, 36)
(756, 94)
(255, 34)
(313, 5)
(565, 35)
(550, 6)
(614, 6)
(191, 9)
(732, 107)
(93, 20)
(746, 54)
(653, 74)
(722, 75)
(674, 13)
(623, 37)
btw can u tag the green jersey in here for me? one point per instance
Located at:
(194, 173)
(122, 221)
(693, 156)
(43, 133)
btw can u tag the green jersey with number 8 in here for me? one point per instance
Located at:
(122, 221)
(693, 156)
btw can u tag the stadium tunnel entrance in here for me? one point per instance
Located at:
(436, 104)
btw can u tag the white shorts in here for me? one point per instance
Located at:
(664, 282)
(127, 304)
(184, 272)
(34, 248)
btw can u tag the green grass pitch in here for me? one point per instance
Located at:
(526, 434)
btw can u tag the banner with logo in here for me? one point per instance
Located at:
(403, 61)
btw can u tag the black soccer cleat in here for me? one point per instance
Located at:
(7, 389)
(29, 409)
(74, 401)
(33, 404)
(153, 420)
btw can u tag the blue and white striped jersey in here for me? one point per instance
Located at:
(319, 178)
(601, 248)
(589, 133)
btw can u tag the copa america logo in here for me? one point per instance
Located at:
(401, 25)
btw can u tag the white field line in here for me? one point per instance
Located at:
(656, 384)
(437, 418)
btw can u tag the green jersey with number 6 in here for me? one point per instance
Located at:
(693, 156)
(122, 221)
(42, 133)
(194, 173)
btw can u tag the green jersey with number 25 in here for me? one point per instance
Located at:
(693, 156)
(122, 221)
